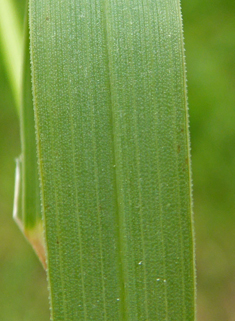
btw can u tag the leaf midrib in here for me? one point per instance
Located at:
(120, 239)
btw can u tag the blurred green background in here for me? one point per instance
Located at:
(210, 53)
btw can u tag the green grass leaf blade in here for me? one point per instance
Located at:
(11, 40)
(27, 207)
(112, 133)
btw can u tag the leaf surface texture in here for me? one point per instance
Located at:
(113, 152)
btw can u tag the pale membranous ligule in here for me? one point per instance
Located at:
(27, 209)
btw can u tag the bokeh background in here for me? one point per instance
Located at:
(210, 53)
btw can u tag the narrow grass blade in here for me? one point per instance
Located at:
(11, 40)
(113, 151)
(27, 209)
